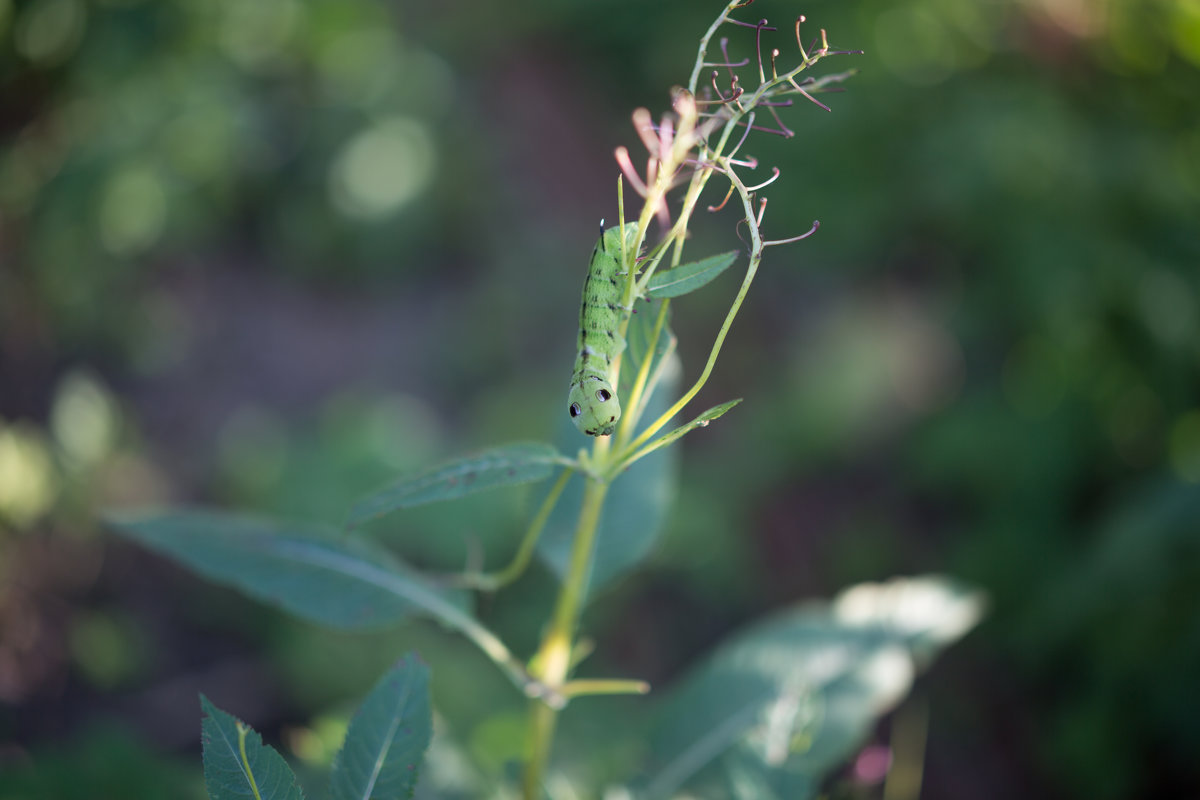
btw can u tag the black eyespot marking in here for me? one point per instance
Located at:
(575, 410)
(603, 395)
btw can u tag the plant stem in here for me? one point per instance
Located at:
(491, 581)
(542, 719)
(551, 666)
(553, 661)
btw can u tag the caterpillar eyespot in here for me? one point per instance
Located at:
(592, 401)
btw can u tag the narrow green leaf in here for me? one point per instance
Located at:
(237, 765)
(387, 737)
(520, 462)
(330, 578)
(698, 422)
(689, 277)
(792, 697)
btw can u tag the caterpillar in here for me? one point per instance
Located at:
(592, 402)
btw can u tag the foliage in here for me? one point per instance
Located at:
(379, 758)
(984, 365)
(347, 584)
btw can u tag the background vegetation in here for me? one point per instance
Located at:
(266, 255)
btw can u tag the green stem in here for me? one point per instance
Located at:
(756, 248)
(550, 667)
(542, 720)
(604, 686)
(635, 398)
(705, 39)
(553, 661)
(491, 581)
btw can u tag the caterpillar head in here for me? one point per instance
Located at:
(594, 407)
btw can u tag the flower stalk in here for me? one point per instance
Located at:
(701, 137)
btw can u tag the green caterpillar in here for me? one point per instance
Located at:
(592, 401)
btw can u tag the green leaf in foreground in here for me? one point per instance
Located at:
(330, 578)
(237, 765)
(387, 737)
(338, 580)
(520, 462)
(792, 697)
(689, 277)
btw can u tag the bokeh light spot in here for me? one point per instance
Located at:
(256, 34)
(1079, 18)
(27, 478)
(1185, 29)
(48, 31)
(1137, 47)
(83, 420)
(105, 649)
(317, 744)
(382, 168)
(133, 210)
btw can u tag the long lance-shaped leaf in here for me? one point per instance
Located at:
(343, 581)
(237, 765)
(338, 580)
(387, 737)
(689, 277)
(668, 438)
(520, 462)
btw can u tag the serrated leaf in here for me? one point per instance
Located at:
(237, 765)
(689, 277)
(338, 580)
(387, 738)
(792, 697)
(521, 462)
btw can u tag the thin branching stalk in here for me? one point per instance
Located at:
(491, 581)
(703, 136)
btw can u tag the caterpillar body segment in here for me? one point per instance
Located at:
(592, 401)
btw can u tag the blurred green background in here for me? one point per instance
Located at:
(267, 254)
